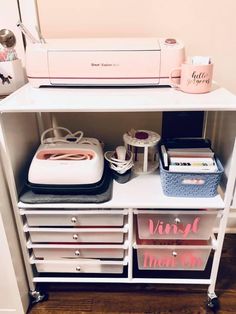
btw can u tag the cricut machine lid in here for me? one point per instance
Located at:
(111, 58)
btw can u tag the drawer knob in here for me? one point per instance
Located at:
(177, 221)
(78, 268)
(174, 253)
(75, 236)
(74, 220)
(77, 253)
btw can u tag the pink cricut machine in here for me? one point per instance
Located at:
(103, 61)
(65, 164)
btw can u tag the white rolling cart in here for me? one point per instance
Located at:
(46, 229)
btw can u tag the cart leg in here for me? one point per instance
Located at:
(213, 302)
(37, 296)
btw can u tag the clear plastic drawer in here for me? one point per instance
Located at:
(76, 235)
(175, 224)
(82, 266)
(60, 251)
(75, 218)
(173, 255)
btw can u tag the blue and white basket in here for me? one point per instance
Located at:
(179, 184)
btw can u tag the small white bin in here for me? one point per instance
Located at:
(76, 235)
(82, 266)
(11, 76)
(73, 218)
(57, 251)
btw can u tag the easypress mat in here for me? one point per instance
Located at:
(29, 197)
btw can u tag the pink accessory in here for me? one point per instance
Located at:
(194, 78)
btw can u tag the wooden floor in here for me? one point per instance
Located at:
(144, 298)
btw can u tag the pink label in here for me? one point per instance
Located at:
(161, 228)
(186, 261)
(154, 262)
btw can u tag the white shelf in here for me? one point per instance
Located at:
(29, 99)
(143, 191)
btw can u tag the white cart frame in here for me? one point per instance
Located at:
(21, 121)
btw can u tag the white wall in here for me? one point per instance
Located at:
(13, 282)
(10, 300)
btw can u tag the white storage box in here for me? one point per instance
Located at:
(171, 256)
(76, 235)
(11, 76)
(176, 224)
(82, 266)
(88, 218)
(60, 251)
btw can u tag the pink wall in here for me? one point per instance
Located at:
(206, 27)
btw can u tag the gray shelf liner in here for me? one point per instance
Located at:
(30, 197)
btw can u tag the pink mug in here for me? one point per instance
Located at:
(194, 79)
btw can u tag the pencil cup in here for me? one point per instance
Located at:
(195, 79)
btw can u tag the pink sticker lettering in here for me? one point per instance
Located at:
(188, 260)
(151, 261)
(185, 261)
(161, 228)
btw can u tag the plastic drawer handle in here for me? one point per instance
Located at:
(174, 253)
(177, 220)
(75, 236)
(74, 219)
(77, 253)
(78, 268)
(193, 181)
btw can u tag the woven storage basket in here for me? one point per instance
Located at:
(180, 184)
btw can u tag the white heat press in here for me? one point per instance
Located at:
(69, 160)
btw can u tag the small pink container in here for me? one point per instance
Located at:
(195, 79)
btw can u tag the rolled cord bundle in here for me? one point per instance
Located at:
(121, 162)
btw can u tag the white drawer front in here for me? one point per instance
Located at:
(76, 235)
(187, 257)
(184, 225)
(78, 267)
(60, 253)
(74, 219)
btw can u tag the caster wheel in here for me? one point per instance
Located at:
(37, 296)
(213, 304)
